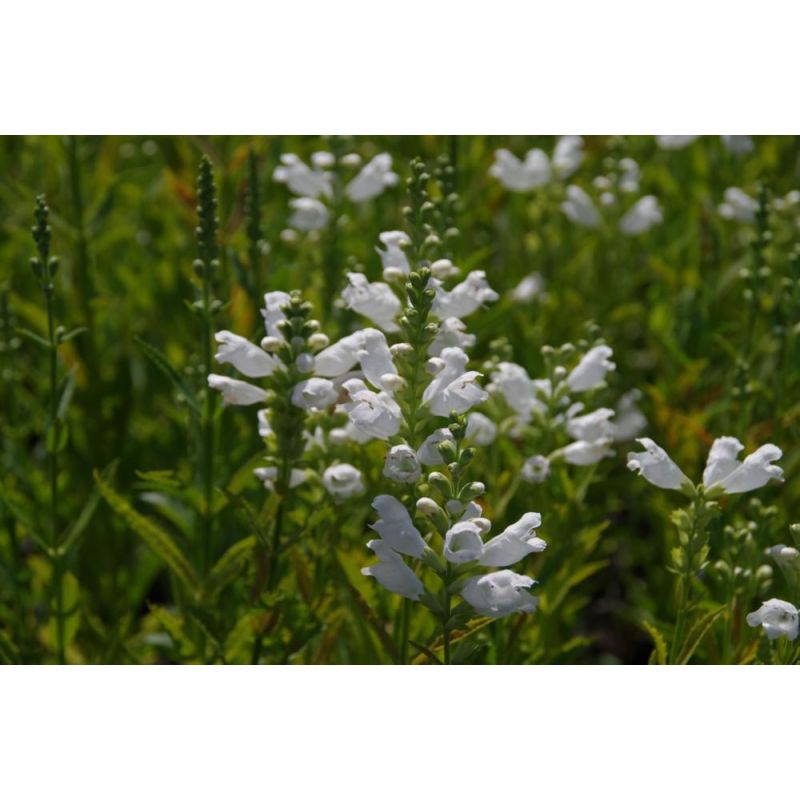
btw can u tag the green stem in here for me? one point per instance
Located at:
(208, 431)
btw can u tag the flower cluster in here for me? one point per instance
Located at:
(537, 169)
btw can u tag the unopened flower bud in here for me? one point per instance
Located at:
(392, 382)
(272, 344)
(393, 274)
(318, 341)
(434, 365)
(401, 349)
(304, 362)
(472, 490)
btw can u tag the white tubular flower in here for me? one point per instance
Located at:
(308, 214)
(314, 393)
(466, 297)
(579, 208)
(392, 255)
(273, 312)
(374, 177)
(582, 454)
(376, 301)
(738, 145)
(392, 572)
(481, 431)
(593, 426)
(777, 618)
(528, 289)
(463, 543)
(591, 370)
(732, 477)
(236, 393)
(518, 176)
(459, 396)
(514, 543)
(452, 333)
(657, 467)
(264, 425)
(374, 414)
(343, 481)
(514, 384)
(629, 421)
(455, 362)
(395, 527)
(500, 593)
(300, 178)
(536, 469)
(248, 358)
(268, 476)
(375, 357)
(784, 555)
(675, 142)
(738, 205)
(428, 453)
(340, 357)
(645, 213)
(402, 464)
(443, 268)
(567, 155)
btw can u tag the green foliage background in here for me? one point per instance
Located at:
(672, 304)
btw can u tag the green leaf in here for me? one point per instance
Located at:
(229, 565)
(69, 335)
(70, 603)
(67, 390)
(157, 539)
(160, 360)
(659, 655)
(697, 633)
(28, 334)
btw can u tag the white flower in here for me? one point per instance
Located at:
(777, 617)
(428, 452)
(783, 555)
(444, 268)
(464, 298)
(300, 178)
(272, 312)
(268, 476)
(458, 396)
(629, 179)
(264, 426)
(481, 430)
(376, 301)
(395, 527)
(343, 481)
(377, 415)
(583, 454)
(629, 421)
(723, 468)
(499, 594)
(514, 543)
(374, 177)
(392, 572)
(393, 256)
(314, 393)
(340, 357)
(675, 142)
(518, 176)
(463, 543)
(529, 288)
(514, 384)
(579, 208)
(248, 358)
(738, 205)
(657, 467)
(567, 155)
(309, 214)
(402, 464)
(644, 215)
(592, 426)
(738, 145)
(452, 333)
(236, 393)
(536, 469)
(375, 358)
(591, 369)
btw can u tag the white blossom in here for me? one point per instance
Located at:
(583, 454)
(373, 178)
(723, 468)
(443, 268)
(375, 358)
(579, 208)
(402, 464)
(514, 384)
(301, 179)
(738, 205)
(500, 593)
(395, 527)
(428, 452)
(343, 481)
(316, 393)
(268, 476)
(246, 357)
(236, 393)
(393, 255)
(567, 155)
(392, 572)
(528, 289)
(514, 543)
(738, 145)
(308, 214)
(463, 543)
(375, 414)
(590, 427)
(657, 467)
(464, 298)
(644, 214)
(777, 618)
(629, 421)
(264, 425)
(376, 301)
(591, 370)
(452, 333)
(675, 142)
(340, 357)
(481, 430)
(536, 469)
(521, 176)
(272, 312)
